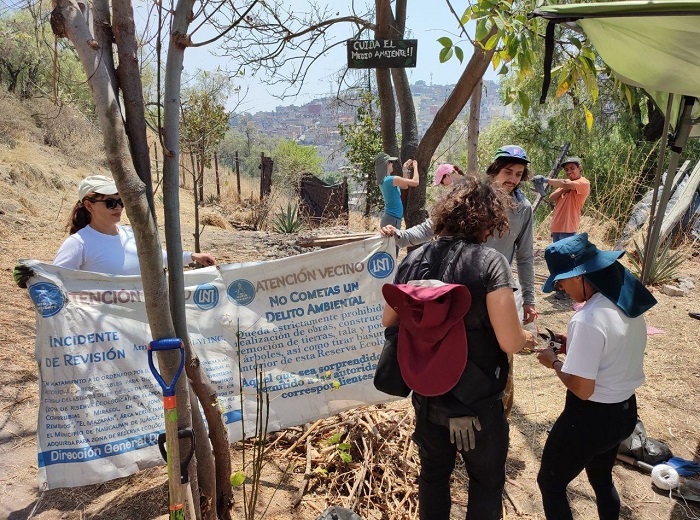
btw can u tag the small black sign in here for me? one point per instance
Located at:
(377, 54)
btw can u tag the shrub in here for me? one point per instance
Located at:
(288, 221)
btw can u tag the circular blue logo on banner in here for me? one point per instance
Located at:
(380, 264)
(47, 297)
(241, 292)
(206, 296)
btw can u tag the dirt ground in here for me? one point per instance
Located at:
(37, 188)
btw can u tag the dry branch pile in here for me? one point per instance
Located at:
(382, 473)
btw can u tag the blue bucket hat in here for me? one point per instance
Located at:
(577, 256)
(511, 151)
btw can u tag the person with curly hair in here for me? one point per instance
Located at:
(468, 418)
(508, 170)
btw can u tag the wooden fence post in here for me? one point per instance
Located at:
(216, 171)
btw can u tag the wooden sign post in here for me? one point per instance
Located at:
(378, 54)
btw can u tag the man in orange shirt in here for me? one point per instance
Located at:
(568, 198)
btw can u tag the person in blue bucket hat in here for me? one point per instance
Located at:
(605, 344)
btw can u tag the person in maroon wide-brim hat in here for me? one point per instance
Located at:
(432, 343)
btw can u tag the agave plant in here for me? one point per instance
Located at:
(664, 266)
(288, 221)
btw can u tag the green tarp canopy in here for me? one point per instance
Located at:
(654, 45)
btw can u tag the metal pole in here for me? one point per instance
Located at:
(679, 141)
(646, 264)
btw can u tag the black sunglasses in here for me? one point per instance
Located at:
(109, 203)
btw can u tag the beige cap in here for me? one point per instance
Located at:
(97, 184)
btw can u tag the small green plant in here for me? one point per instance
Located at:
(664, 267)
(288, 221)
(248, 478)
(342, 447)
(211, 200)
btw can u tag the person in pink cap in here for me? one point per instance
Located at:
(445, 174)
(461, 412)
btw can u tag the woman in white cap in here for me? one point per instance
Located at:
(97, 242)
(391, 186)
(605, 344)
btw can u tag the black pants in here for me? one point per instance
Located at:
(585, 436)
(485, 464)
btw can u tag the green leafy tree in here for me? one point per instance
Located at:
(204, 120)
(21, 56)
(331, 178)
(363, 141)
(27, 60)
(243, 137)
(292, 160)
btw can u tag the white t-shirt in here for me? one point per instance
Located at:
(604, 344)
(90, 250)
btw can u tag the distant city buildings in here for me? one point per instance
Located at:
(316, 123)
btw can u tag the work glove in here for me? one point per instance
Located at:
(21, 273)
(462, 432)
(540, 183)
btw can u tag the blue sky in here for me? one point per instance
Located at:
(427, 20)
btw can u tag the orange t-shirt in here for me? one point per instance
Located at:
(567, 211)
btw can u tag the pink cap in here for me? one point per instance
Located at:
(441, 171)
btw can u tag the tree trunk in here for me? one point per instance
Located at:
(68, 20)
(473, 129)
(238, 176)
(200, 179)
(102, 27)
(195, 196)
(223, 497)
(129, 77)
(14, 78)
(388, 27)
(413, 213)
(387, 108)
(470, 78)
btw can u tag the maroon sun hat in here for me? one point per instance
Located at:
(432, 342)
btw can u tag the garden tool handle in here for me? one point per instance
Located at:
(166, 344)
(185, 433)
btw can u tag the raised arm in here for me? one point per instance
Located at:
(404, 183)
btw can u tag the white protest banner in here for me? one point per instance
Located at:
(311, 322)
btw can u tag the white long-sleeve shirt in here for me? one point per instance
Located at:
(90, 250)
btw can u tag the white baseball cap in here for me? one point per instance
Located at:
(97, 184)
